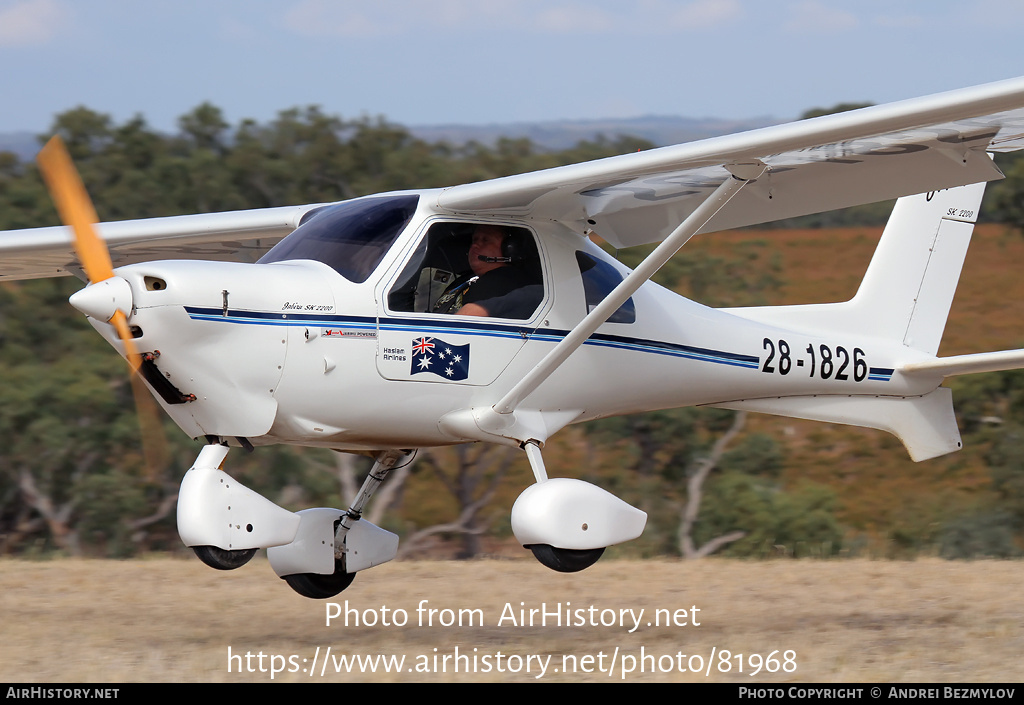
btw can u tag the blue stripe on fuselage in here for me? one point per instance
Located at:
(419, 326)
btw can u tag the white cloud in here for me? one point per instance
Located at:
(478, 15)
(319, 18)
(393, 17)
(703, 14)
(31, 22)
(994, 14)
(899, 21)
(643, 17)
(572, 18)
(814, 16)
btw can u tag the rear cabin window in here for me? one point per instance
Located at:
(599, 278)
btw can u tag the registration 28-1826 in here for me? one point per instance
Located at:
(824, 361)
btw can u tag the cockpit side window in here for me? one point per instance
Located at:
(472, 269)
(351, 237)
(599, 278)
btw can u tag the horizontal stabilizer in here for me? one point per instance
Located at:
(926, 424)
(967, 364)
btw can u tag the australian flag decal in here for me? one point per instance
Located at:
(438, 357)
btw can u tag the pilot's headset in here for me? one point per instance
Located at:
(514, 247)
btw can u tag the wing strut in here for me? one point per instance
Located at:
(742, 174)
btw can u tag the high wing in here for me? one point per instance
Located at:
(239, 236)
(835, 161)
(862, 156)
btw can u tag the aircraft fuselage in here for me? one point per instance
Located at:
(294, 352)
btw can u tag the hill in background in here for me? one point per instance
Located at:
(551, 135)
(563, 134)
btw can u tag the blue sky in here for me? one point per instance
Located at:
(421, 62)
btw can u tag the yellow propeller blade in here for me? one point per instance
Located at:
(77, 212)
(75, 209)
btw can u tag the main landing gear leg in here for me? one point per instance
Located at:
(564, 560)
(384, 463)
(347, 558)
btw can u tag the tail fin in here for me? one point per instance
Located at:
(905, 296)
(909, 285)
(908, 288)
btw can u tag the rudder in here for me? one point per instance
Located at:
(908, 288)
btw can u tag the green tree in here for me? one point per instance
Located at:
(205, 128)
(837, 108)
(1004, 200)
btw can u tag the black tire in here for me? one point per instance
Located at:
(565, 560)
(222, 558)
(319, 587)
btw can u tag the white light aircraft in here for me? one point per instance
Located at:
(485, 313)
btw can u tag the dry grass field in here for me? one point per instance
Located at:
(174, 620)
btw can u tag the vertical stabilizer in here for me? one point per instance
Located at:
(905, 298)
(908, 288)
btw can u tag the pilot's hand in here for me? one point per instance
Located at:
(472, 310)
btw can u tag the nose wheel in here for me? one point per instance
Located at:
(320, 587)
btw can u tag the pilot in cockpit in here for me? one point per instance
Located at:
(499, 283)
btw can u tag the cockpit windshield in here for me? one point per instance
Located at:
(351, 237)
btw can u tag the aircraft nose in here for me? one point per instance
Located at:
(104, 298)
